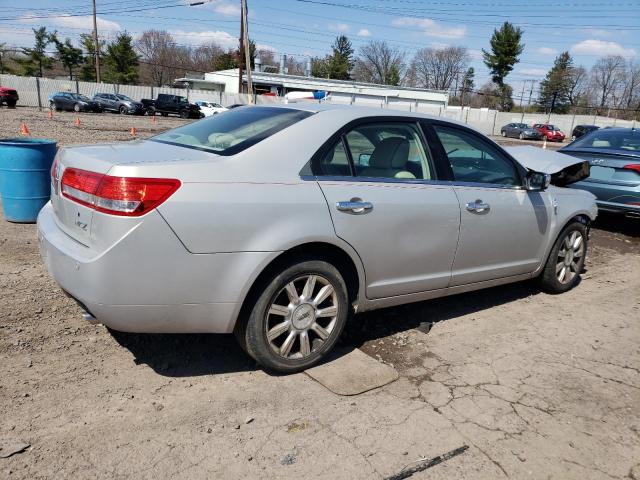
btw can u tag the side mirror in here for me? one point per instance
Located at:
(536, 181)
(363, 159)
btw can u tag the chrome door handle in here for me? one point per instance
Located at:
(354, 207)
(478, 207)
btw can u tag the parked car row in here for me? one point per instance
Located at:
(538, 131)
(164, 104)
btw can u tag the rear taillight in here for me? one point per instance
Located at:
(633, 166)
(125, 196)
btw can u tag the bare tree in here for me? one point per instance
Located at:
(606, 76)
(631, 93)
(159, 54)
(379, 63)
(438, 68)
(294, 66)
(203, 57)
(577, 84)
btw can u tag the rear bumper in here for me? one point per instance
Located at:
(147, 281)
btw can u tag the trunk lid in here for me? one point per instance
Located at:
(138, 159)
(564, 169)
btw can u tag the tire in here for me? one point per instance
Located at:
(151, 111)
(11, 104)
(76, 108)
(521, 136)
(123, 110)
(52, 106)
(552, 279)
(503, 133)
(573, 138)
(284, 293)
(164, 114)
(184, 114)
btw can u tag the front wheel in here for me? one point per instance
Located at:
(77, 107)
(566, 260)
(297, 317)
(503, 133)
(52, 106)
(521, 136)
(123, 110)
(184, 114)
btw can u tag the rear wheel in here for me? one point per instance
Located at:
(566, 260)
(297, 317)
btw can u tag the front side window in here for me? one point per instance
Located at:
(383, 150)
(233, 132)
(474, 160)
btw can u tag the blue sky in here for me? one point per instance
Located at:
(588, 28)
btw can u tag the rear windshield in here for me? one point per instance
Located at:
(626, 140)
(231, 132)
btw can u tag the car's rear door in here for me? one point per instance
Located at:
(503, 227)
(384, 198)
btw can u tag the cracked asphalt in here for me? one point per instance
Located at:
(538, 386)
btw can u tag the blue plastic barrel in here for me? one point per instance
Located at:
(25, 177)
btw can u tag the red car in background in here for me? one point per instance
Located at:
(8, 96)
(553, 133)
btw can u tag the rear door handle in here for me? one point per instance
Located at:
(354, 206)
(478, 207)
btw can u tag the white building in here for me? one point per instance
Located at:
(342, 91)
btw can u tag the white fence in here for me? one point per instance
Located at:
(34, 92)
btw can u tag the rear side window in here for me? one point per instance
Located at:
(233, 131)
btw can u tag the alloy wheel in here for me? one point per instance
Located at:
(569, 256)
(302, 316)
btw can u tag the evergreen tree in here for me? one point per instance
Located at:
(340, 62)
(121, 61)
(555, 89)
(36, 60)
(468, 84)
(505, 52)
(88, 69)
(68, 55)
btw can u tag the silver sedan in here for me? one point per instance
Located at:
(278, 223)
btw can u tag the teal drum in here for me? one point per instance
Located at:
(25, 177)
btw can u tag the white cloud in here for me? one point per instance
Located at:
(85, 22)
(222, 38)
(228, 9)
(262, 46)
(601, 47)
(339, 27)
(546, 51)
(363, 32)
(431, 27)
(532, 71)
(475, 54)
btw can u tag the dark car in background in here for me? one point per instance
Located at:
(116, 102)
(521, 131)
(166, 104)
(581, 130)
(9, 97)
(614, 156)
(73, 101)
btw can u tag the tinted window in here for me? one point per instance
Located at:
(474, 160)
(628, 140)
(233, 132)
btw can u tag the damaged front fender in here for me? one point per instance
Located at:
(564, 169)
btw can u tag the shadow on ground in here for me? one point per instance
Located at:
(206, 354)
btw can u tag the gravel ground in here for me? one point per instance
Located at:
(538, 386)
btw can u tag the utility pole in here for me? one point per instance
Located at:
(533, 82)
(95, 43)
(524, 84)
(241, 46)
(247, 50)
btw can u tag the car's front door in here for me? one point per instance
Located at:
(503, 227)
(384, 200)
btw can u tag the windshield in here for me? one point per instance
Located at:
(522, 125)
(628, 140)
(551, 127)
(77, 96)
(234, 131)
(124, 97)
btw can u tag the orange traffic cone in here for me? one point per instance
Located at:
(77, 122)
(24, 130)
(133, 132)
(544, 142)
(50, 113)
